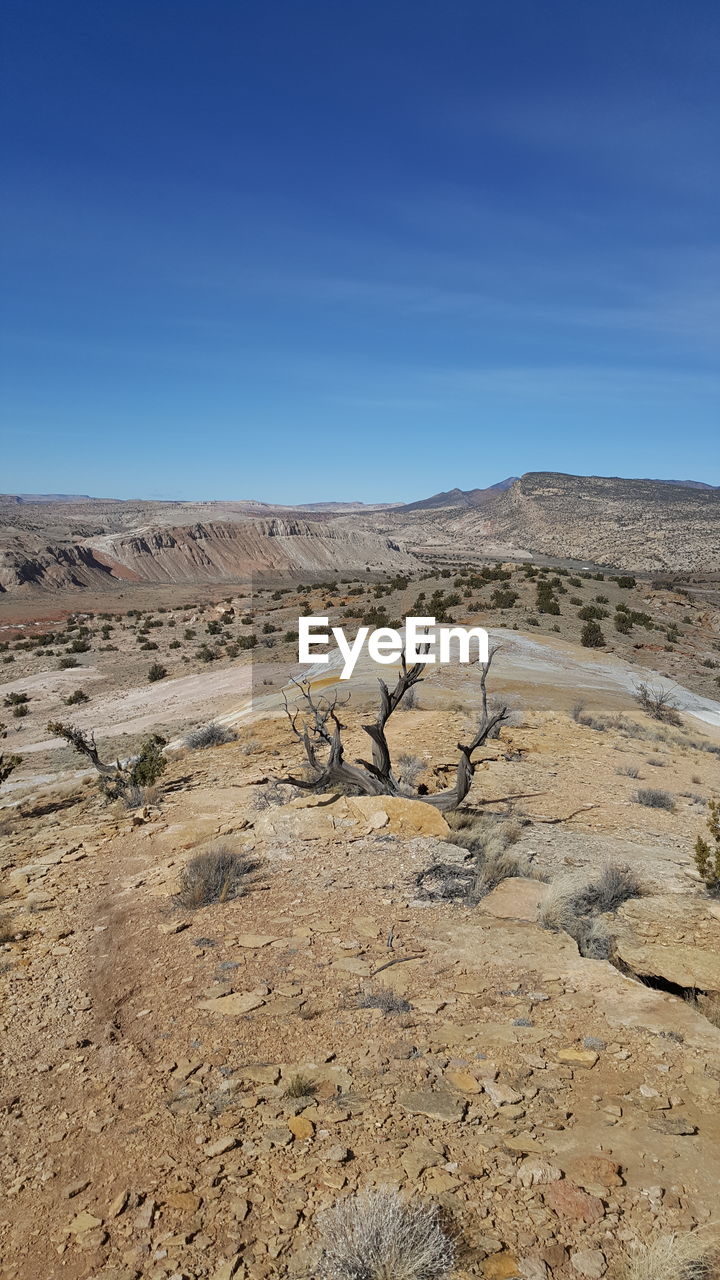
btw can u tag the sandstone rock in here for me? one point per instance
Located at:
(405, 817)
(84, 1222)
(75, 1188)
(594, 1171)
(183, 1200)
(501, 1266)
(119, 1204)
(569, 1201)
(301, 1127)
(337, 1154)
(227, 1269)
(684, 965)
(255, 940)
(220, 1147)
(589, 1262)
(464, 1081)
(437, 1104)
(533, 1269)
(516, 898)
(145, 1215)
(535, 1172)
(578, 1057)
(238, 1002)
(501, 1094)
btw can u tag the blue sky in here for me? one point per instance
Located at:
(357, 249)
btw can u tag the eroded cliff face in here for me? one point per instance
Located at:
(200, 552)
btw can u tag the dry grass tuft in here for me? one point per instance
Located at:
(378, 1236)
(575, 901)
(209, 735)
(215, 876)
(300, 1086)
(672, 1257)
(487, 839)
(383, 999)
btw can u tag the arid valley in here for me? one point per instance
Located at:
(233, 999)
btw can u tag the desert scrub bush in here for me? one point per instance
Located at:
(16, 699)
(656, 702)
(671, 1257)
(575, 901)
(209, 735)
(74, 699)
(115, 779)
(592, 636)
(384, 999)
(150, 764)
(707, 852)
(67, 664)
(218, 875)
(654, 798)
(628, 771)
(376, 1235)
(408, 770)
(156, 672)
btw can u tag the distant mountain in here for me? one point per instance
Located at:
(687, 484)
(22, 498)
(458, 497)
(606, 520)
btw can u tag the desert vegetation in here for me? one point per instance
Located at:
(380, 1236)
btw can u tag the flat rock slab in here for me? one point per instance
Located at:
(516, 898)
(236, 1003)
(436, 1104)
(686, 966)
(255, 939)
(326, 816)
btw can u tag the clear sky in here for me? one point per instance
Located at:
(307, 249)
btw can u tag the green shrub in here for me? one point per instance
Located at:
(157, 672)
(592, 636)
(707, 853)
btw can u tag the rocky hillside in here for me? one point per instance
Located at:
(644, 525)
(211, 551)
(639, 524)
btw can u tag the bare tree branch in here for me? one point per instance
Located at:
(316, 725)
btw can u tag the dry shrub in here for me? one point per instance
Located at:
(383, 999)
(215, 876)
(209, 735)
(300, 1086)
(379, 1236)
(575, 901)
(672, 1257)
(487, 839)
(653, 798)
(408, 770)
(657, 702)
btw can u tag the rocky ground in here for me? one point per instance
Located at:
(183, 1090)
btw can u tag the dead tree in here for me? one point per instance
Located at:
(316, 724)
